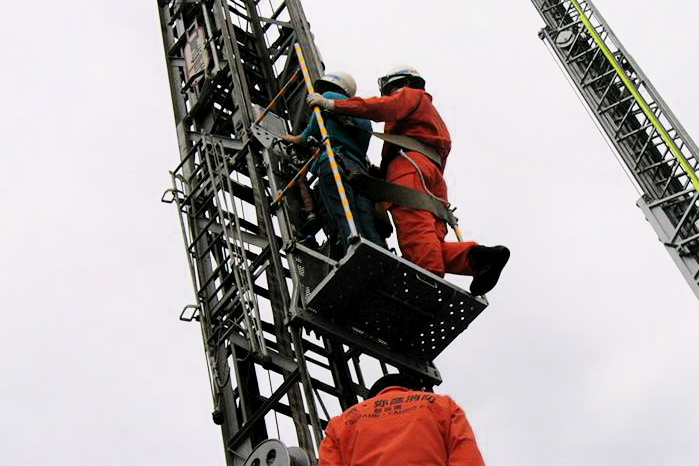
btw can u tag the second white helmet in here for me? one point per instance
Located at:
(340, 79)
(401, 72)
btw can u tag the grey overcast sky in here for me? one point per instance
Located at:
(587, 355)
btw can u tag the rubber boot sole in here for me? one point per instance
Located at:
(488, 277)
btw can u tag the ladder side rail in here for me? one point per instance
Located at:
(592, 101)
(233, 418)
(631, 157)
(304, 37)
(270, 80)
(648, 187)
(646, 95)
(224, 398)
(657, 114)
(276, 279)
(236, 251)
(652, 91)
(201, 314)
(618, 51)
(687, 263)
(654, 146)
(340, 370)
(241, 252)
(336, 364)
(643, 91)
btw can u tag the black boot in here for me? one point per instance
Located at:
(311, 225)
(487, 264)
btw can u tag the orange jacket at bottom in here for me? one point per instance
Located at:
(401, 427)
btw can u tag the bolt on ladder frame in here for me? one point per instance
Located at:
(227, 60)
(656, 150)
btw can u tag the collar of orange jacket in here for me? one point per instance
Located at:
(394, 388)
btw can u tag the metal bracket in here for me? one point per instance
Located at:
(264, 136)
(174, 195)
(193, 315)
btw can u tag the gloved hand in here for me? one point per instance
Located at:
(317, 100)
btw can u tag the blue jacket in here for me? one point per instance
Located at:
(347, 140)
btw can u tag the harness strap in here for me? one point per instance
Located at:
(383, 191)
(400, 140)
(412, 144)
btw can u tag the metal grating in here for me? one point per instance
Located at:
(394, 303)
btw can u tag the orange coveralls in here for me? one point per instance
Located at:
(420, 234)
(401, 427)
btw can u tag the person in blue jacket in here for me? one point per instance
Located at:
(350, 142)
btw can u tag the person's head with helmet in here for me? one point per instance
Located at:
(399, 77)
(405, 380)
(336, 81)
(398, 423)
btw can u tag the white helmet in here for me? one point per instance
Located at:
(401, 72)
(340, 79)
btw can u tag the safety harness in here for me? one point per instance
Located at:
(412, 144)
(383, 191)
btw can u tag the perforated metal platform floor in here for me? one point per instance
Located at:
(374, 296)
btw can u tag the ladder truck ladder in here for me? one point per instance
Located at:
(288, 332)
(655, 148)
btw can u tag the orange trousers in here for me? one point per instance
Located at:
(421, 234)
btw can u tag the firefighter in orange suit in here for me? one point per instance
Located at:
(399, 424)
(408, 110)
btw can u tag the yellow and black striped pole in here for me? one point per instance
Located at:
(457, 230)
(328, 146)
